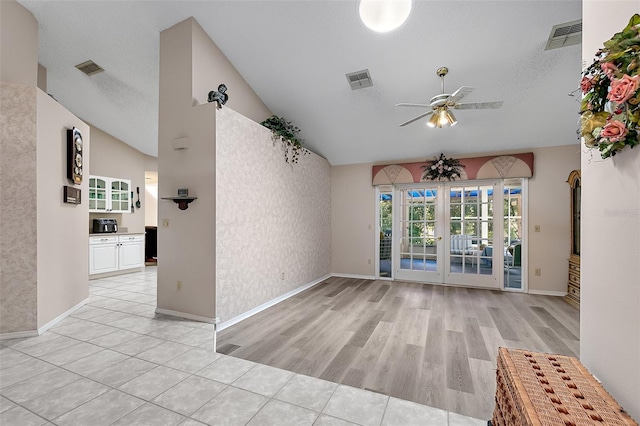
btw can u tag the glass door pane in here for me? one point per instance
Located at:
(417, 246)
(385, 205)
(513, 232)
(470, 240)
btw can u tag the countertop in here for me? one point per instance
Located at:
(102, 234)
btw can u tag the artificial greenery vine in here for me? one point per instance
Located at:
(442, 168)
(286, 133)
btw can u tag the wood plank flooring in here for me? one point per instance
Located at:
(435, 345)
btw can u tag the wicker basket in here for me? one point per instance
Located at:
(535, 389)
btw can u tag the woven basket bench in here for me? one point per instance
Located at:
(537, 389)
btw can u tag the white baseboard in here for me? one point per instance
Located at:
(60, 317)
(187, 316)
(269, 304)
(358, 277)
(548, 293)
(18, 334)
(47, 326)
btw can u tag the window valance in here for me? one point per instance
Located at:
(490, 167)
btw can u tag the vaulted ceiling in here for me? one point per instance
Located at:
(295, 55)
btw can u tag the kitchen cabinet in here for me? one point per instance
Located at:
(111, 253)
(109, 195)
(131, 251)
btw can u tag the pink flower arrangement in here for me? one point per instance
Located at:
(614, 131)
(623, 89)
(611, 87)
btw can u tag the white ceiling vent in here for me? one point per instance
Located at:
(563, 35)
(359, 79)
(90, 68)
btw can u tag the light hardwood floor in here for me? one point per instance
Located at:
(431, 344)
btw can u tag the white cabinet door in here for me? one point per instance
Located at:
(120, 195)
(109, 195)
(103, 258)
(131, 251)
(99, 195)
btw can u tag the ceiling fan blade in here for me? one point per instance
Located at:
(416, 118)
(414, 105)
(479, 105)
(459, 94)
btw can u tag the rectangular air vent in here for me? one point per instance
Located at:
(563, 35)
(90, 68)
(359, 79)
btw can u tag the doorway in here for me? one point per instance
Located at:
(461, 233)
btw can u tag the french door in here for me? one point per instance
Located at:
(444, 233)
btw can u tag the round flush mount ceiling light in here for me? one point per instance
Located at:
(384, 15)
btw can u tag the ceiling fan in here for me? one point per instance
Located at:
(439, 106)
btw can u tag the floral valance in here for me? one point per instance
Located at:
(491, 167)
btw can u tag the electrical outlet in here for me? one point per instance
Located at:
(370, 227)
(536, 228)
(165, 223)
(282, 276)
(537, 272)
(369, 261)
(179, 285)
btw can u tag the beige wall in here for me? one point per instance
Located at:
(151, 192)
(18, 143)
(18, 44)
(186, 248)
(273, 232)
(42, 78)
(43, 241)
(610, 253)
(191, 66)
(549, 207)
(211, 67)
(111, 157)
(18, 220)
(63, 255)
(353, 206)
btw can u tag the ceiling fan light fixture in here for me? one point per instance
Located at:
(451, 119)
(383, 16)
(442, 118)
(433, 121)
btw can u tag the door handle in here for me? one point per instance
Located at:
(438, 238)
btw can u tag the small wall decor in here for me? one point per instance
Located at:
(71, 195)
(610, 107)
(74, 155)
(286, 133)
(442, 168)
(219, 96)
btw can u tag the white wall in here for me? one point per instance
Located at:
(63, 237)
(273, 232)
(610, 249)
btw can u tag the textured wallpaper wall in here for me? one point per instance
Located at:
(272, 218)
(18, 231)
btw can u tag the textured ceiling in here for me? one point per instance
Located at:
(295, 55)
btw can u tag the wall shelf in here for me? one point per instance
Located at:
(182, 202)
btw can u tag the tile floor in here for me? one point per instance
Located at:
(115, 362)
